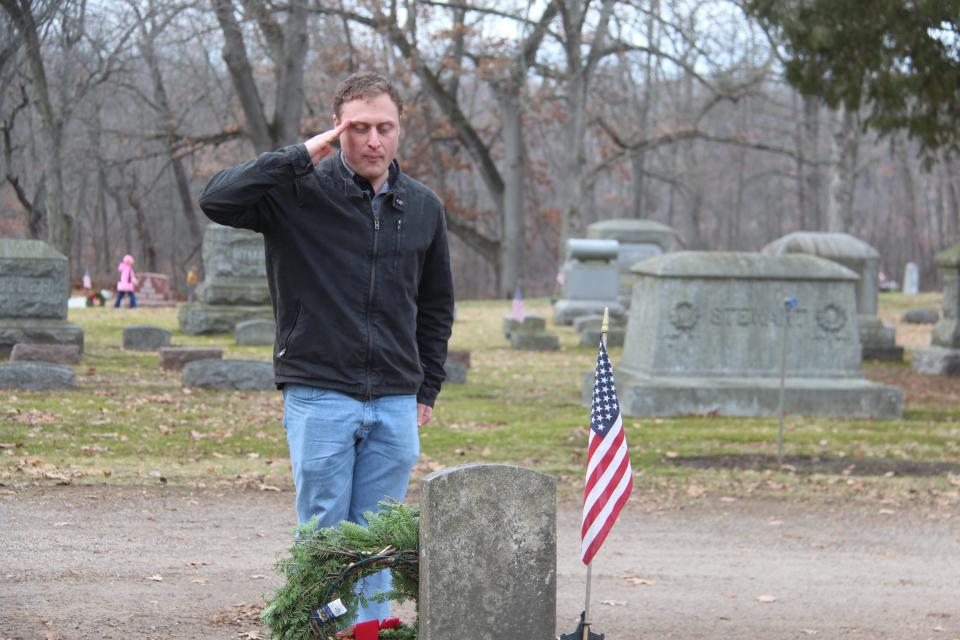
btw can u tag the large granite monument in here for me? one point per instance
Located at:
(590, 281)
(708, 339)
(877, 340)
(638, 240)
(34, 287)
(235, 288)
(943, 356)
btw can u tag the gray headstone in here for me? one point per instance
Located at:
(235, 285)
(35, 376)
(591, 337)
(911, 279)
(34, 287)
(595, 322)
(922, 315)
(531, 322)
(176, 358)
(708, 336)
(488, 554)
(936, 361)
(534, 341)
(456, 372)
(238, 375)
(52, 353)
(141, 337)
(943, 356)
(566, 312)
(639, 240)
(256, 332)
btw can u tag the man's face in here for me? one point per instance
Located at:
(370, 142)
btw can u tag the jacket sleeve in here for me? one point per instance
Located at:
(232, 196)
(434, 314)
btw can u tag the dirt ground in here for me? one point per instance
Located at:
(175, 563)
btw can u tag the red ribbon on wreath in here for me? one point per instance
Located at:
(369, 630)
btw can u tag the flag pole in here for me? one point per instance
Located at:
(604, 329)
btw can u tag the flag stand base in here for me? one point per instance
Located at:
(583, 631)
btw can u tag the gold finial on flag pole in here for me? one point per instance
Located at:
(605, 325)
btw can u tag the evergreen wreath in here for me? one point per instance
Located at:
(325, 564)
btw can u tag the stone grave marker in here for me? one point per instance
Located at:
(942, 357)
(920, 315)
(51, 353)
(235, 375)
(153, 290)
(530, 322)
(36, 376)
(34, 287)
(911, 279)
(488, 554)
(176, 358)
(708, 339)
(141, 337)
(456, 365)
(877, 340)
(256, 332)
(590, 280)
(235, 288)
(639, 239)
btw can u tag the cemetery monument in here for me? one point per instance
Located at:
(943, 356)
(708, 339)
(34, 287)
(877, 340)
(639, 240)
(590, 281)
(235, 288)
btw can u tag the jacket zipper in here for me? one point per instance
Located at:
(373, 272)
(286, 338)
(396, 246)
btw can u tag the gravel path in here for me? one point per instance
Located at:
(174, 563)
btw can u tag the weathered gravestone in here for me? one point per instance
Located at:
(52, 353)
(877, 340)
(256, 332)
(232, 375)
(235, 288)
(638, 240)
(530, 334)
(456, 365)
(36, 376)
(920, 315)
(588, 328)
(911, 279)
(142, 337)
(530, 322)
(488, 554)
(34, 287)
(943, 356)
(176, 358)
(153, 290)
(590, 281)
(707, 339)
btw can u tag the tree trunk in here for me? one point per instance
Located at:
(512, 242)
(843, 161)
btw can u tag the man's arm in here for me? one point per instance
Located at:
(434, 319)
(231, 196)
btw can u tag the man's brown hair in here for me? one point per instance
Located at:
(365, 86)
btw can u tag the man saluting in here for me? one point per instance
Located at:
(359, 275)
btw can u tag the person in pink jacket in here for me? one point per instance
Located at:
(127, 282)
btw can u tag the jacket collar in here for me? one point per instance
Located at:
(397, 190)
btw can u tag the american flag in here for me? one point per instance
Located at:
(517, 313)
(609, 476)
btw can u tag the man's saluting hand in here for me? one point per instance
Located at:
(321, 145)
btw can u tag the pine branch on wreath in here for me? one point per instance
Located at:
(325, 564)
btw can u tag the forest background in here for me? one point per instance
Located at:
(530, 119)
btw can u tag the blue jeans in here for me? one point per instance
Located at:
(133, 299)
(348, 455)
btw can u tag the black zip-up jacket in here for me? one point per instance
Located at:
(363, 302)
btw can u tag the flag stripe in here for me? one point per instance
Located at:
(593, 540)
(600, 495)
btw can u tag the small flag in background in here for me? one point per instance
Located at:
(609, 476)
(86, 280)
(518, 313)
